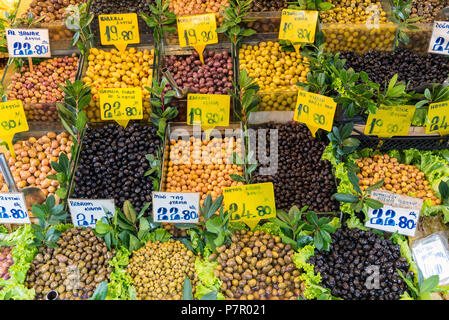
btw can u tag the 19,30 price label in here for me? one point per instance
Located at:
(439, 42)
(176, 207)
(390, 121)
(121, 104)
(298, 26)
(12, 121)
(315, 110)
(119, 30)
(208, 110)
(197, 31)
(13, 208)
(24, 43)
(438, 116)
(250, 203)
(86, 213)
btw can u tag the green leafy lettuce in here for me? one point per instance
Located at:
(207, 280)
(120, 286)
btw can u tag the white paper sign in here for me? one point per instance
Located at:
(86, 213)
(432, 258)
(176, 207)
(399, 213)
(13, 208)
(24, 43)
(439, 42)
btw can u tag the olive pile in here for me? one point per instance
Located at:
(257, 266)
(6, 261)
(410, 66)
(398, 177)
(39, 90)
(301, 177)
(158, 270)
(187, 7)
(267, 5)
(354, 11)
(427, 9)
(112, 164)
(74, 268)
(33, 160)
(213, 77)
(354, 255)
(51, 10)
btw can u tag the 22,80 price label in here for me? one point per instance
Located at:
(197, 31)
(390, 121)
(315, 110)
(119, 30)
(24, 43)
(438, 116)
(121, 104)
(13, 208)
(12, 121)
(298, 26)
(208, 110)
(250, 203)
(176, 207)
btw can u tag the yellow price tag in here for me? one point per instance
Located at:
(119, 30)
(121, 105)
(250, 203)
(315, 111)
(13, 120)
(438, 116)
(298, 26)
(208, 110)
(389, 121)
(197, 31)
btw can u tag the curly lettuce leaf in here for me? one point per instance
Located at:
(207, 280)
(311, 281)
(269, 227)
(120, 286)
(15, 291)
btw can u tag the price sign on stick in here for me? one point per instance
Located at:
(208, 110)
(119, 30)
(121, 105)
(389, 121)
(24, 43)
(250, 203)
(400, 213)
(315, 110)
(438, 118)
(439, 42)
(197, 32)
(86, 213)
(176, 207)
(298, 26)
(13, 208)
(12, 121)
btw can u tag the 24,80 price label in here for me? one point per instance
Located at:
(208, 110)
(250, 203)
(298, 26)
(176, 207)
(439, 42)
(197, 31)
(438, 116)
(13, 208)
(119, 30)
(28, 43)
(315, 110)
(86, 213)
(121, 104)
(12, 121)
(390, 121)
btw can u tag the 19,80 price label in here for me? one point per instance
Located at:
(250, 203)
(315, 110)
(389, 121)
(13, 208)
(119, 30)
(298, 26)
(121, 104)
(438, 117)
(12, 121)
(208, 110)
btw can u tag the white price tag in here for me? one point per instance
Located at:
(439, 42)
(176, 207)
(13, 208)
(399, 213)
(24, 43)
(432, 258)
(86, 213)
